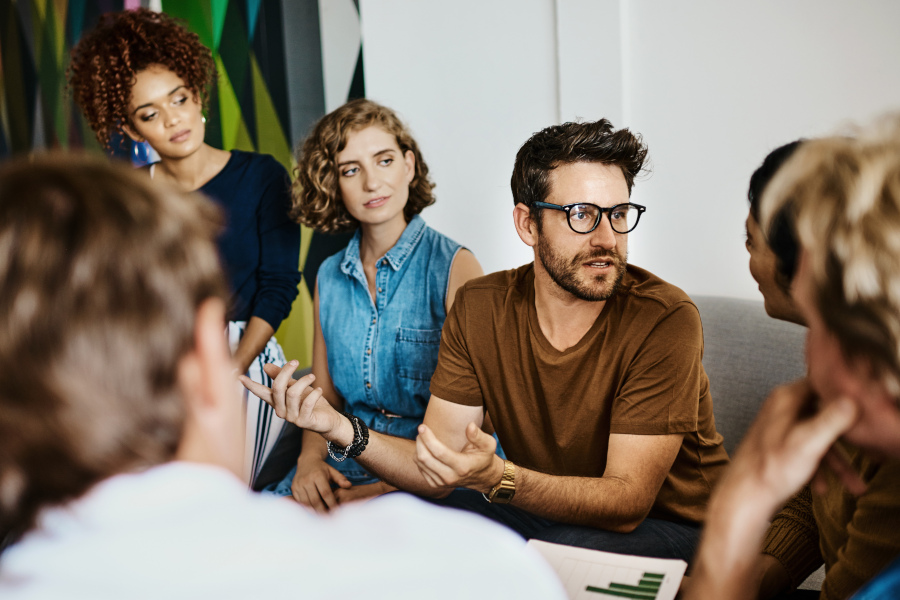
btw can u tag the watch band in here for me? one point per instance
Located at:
(504, 491)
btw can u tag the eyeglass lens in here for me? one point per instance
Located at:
(623, 218)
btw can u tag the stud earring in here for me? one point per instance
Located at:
(203, 119)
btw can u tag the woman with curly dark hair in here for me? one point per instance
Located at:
(144, 75)
(380, 304)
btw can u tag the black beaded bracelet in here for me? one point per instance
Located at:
(360, 439)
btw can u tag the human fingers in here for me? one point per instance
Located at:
(812, 438)
(434, 456)
(338, 477)
(293, 402)
(273, 370)
(321, 487)
(280, 386)
(261, 391)
(305, 405)
(361, 492)
(480, 440)
(839, 464)
(299, 494)
(429, 477)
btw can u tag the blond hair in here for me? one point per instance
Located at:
(845, 195)
(101, 276)
(317, 201)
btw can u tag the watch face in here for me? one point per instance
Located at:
(504, 494)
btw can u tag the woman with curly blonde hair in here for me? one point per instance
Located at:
(379, 304)
(143, 75)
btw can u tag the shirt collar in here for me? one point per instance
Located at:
(396, 256)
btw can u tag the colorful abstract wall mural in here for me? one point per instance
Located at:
(282, 64)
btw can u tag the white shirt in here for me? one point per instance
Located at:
(184, 530)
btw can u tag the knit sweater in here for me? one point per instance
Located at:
(855, 537)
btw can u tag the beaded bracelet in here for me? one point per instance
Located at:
(355, 448)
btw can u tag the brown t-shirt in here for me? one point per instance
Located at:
(637, 370)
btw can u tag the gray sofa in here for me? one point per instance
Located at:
(746, 354)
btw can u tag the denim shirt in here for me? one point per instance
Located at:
(382, 353)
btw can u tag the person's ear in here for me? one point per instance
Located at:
(204, 372)
(526, 226)
(206, 376)
(212, 351)
(134, 135)
(409, 158)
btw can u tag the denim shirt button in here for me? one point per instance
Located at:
(379, 290)
(369, 384)
(368, 351)
(374, 319)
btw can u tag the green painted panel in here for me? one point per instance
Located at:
(198, 16)
(269, 134)
(62, 53)
(218, 8)
(242, 139)
(229, 110)
(296, 332)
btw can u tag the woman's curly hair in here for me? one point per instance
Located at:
(317, 201)
(106, 60)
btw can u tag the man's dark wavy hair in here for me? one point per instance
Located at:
(595, 141)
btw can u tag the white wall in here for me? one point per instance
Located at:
(712, 86)
(473, 79)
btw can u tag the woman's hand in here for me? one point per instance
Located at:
(312, 484)
(786, 445)
(363, 492)
(789, 442)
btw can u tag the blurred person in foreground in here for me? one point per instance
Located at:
(840, 427)
(119, 422)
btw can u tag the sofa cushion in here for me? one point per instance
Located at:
(746, 354)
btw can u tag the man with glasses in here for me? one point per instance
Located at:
(589, 369)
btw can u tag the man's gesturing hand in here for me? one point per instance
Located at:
(476, 466)
(295, 400)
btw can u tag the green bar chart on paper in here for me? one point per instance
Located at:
(645, 589)
(595, 575)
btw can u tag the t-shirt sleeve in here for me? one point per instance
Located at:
(279, 248)
(454, 378)
(665, 380)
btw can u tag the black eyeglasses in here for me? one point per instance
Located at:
(584, 217)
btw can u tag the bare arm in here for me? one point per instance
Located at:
(312, 482)
(255, 338)
(390, 458)
(779, 454)
(465, 267)
(636, 468)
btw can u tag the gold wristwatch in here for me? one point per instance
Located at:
(504, 491)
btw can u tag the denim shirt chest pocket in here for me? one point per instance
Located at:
(417, 353)
(382, 350)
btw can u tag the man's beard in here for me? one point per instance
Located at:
(566, 273)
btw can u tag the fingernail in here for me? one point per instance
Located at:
(294, 363)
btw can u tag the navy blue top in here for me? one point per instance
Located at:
(260, 247)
